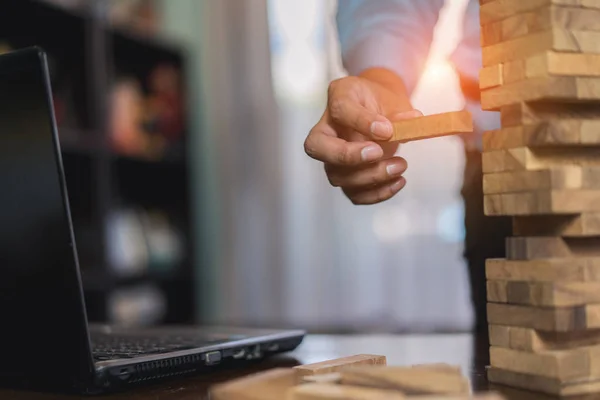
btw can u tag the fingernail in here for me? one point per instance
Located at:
(371, 153)
(382, 129)
(394, 169)
(397, 185)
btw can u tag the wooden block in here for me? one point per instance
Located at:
(554, 133)
(542, 19)
(565, 319)
(582, 225)
(543, 294)
(532, 113)
(530, 340)
(323, 391)
(501, 9)
(431, 126)
(270, 385)
(514, 71)
(567, 177)
(566, 366)
(410, 381)
(334, 377)
(534, 159)
(542, 384)
(559, 64)
(338, 364)
(548, 270)
(555, 39)
(551, 202)
(540, 247)
(490, 76)
(452, 369)
(543, 89)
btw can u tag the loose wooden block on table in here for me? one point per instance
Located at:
(530, 340)
(553, 133)
(408, 380)
(548, 270)
(269, 385)
(555, 39)
(431, 126)
(329, 366)
(541, 19)
(559, 178)
(564, 319)
(324, 391)
(500, 9)
(542, 384)
(542, 89)
(543, 202)
(543, 294)
(521, 113)
(581, 225)
(567, 366)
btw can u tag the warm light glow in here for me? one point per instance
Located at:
(438, 71)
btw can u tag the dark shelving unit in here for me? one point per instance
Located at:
(87, 57)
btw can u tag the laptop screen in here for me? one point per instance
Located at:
(40, 297)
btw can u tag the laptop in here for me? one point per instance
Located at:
(46, 342)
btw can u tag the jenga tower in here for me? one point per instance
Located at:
(541, 62)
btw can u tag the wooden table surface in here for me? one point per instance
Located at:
(458, 349)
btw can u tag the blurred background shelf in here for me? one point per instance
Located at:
(119, 98)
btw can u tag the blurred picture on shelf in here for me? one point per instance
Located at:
(147, 125)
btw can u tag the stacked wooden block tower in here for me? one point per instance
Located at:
(541, 71)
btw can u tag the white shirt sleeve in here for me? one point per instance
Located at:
(392, 34)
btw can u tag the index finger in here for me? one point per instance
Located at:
(333, 150)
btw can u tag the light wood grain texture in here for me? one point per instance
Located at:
(410, 381)
(501, 9)
(334, 377)
(535, 159)
(530, 340)
(431, 126)
(560, 64)
(542, 19)
(556, 39)
(543, 89)
(269, 385)
(549, 270)
(490, 76)
(582, 225)
(522, 113)
(513, 71)
(323, 391)
(543, 294)
(554, 133)
(551, 202)
(565, 319)
(448, 368)
(542, 384)
(338, 364)
(541, 247)
(567, 366)
(559, 178)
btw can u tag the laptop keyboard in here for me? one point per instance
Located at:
(112, 346)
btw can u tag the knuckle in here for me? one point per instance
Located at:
(336, 107)
(344, 156)
(309, 144)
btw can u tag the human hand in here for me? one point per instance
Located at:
(349, 137)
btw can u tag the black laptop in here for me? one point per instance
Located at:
(46, 342)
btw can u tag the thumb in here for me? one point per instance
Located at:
(403, 115)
